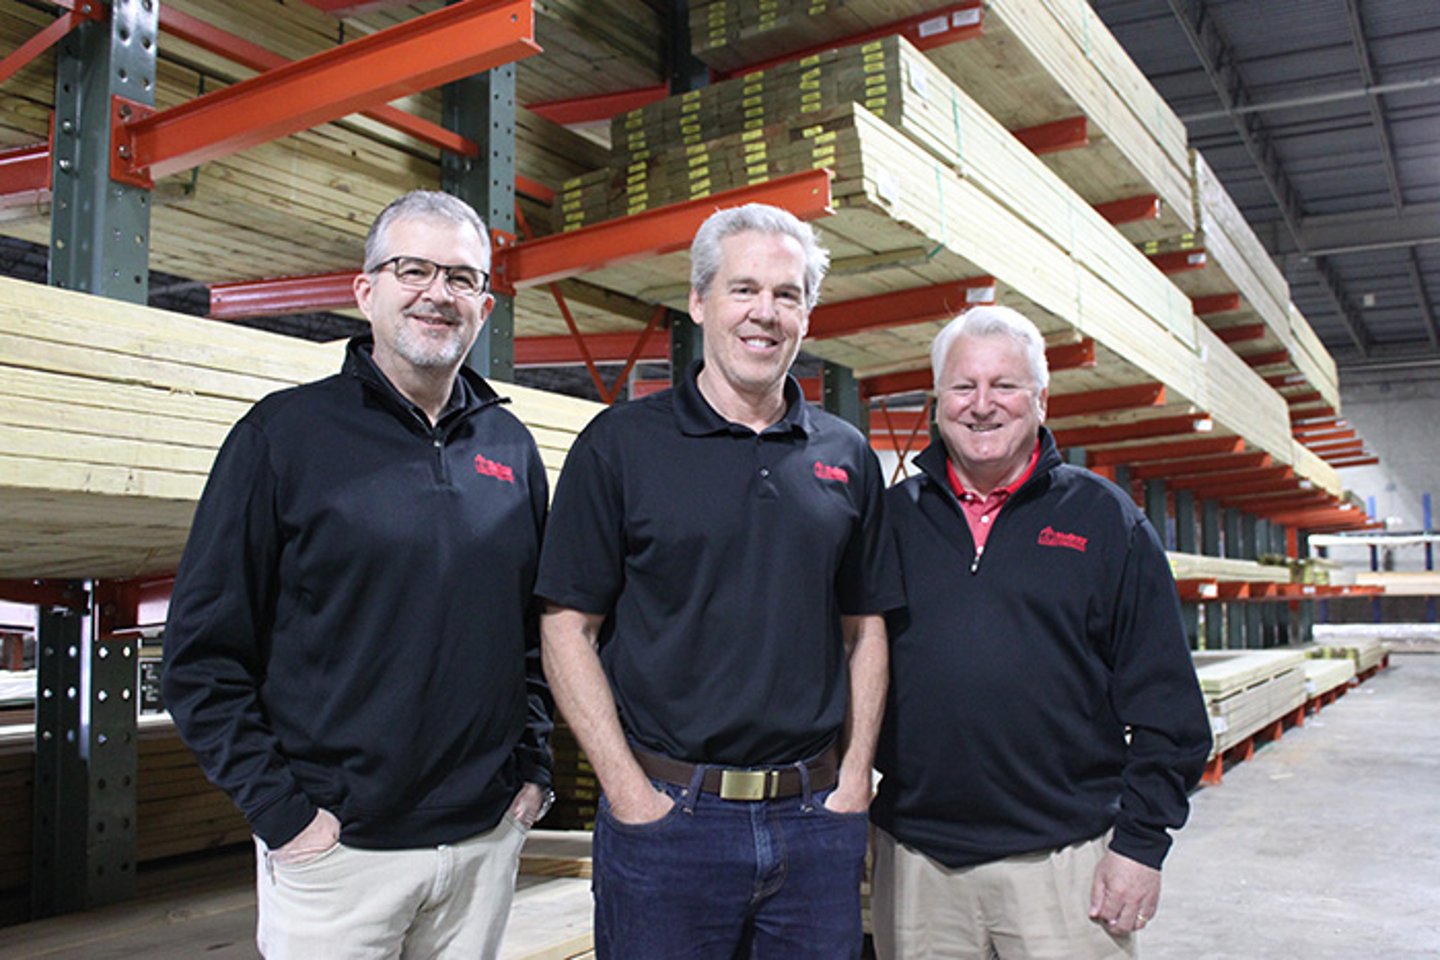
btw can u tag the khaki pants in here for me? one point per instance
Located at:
(1031, 907)
(440, 902)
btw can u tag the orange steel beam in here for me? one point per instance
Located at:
(1338, 448)
(1219, 303)
(1273, 501)
(1328, 426)
(916, 305)
(418, 54)
(1300, 399)
(926, 31)
(560, 351)
(1311, 439)
(1262, 480)
(1280, 380)
(1233, 589)
(24, 175)
(1130, 209)
(600, 106)
(1194, 590)
(1355, 462)
(1139, 430)
(1144, 453)
(1100, 401)
(1068, 134)
(1067, 356)
(277, 297)
(1180, 260)
(1329, 516)
(1321, 412)
(1198, 466)
(24, 54)
(1268, 359)
(654, 232)
(1249, 331)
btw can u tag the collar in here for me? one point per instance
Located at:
(696, 418)
(470, 391)
(932, 462)
(1001, 493)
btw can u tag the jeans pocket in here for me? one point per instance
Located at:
(819, 802)
(650, 826)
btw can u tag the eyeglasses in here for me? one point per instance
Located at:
(417, 273)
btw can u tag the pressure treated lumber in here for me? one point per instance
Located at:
(1324, 675)
(1032, 63)
(111, 413)
(1191, 566)
(1248, 690)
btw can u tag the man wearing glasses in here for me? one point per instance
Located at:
(352, 649)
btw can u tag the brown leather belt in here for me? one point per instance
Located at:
(744, 783)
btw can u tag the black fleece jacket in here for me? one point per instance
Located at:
(352, 624)
(1045, 693)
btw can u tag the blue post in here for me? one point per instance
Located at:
(1430, 611)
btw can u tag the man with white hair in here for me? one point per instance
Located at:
(1044, 722)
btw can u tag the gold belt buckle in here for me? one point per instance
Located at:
(748, 784)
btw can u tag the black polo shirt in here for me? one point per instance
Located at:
(723, 560)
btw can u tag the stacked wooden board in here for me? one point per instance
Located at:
(1029, 63)
(1323, 675)
(1365, 652)
(301, 205)
(941, 191)
(1223, 256)
(1191, 566)
(111, 413)
(1246, 691)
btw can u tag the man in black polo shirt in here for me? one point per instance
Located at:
(717, 570)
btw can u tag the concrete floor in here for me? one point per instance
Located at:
(1325, 845)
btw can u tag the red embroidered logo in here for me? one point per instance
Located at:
(490, 468)
(1050, 538)
(831, 473)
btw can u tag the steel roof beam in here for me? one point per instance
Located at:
(1360, 231)
(1377, 109)
(1217, 59)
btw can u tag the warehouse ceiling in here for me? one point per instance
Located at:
(1322, 118)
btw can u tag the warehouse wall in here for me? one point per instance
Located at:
(1398, 416)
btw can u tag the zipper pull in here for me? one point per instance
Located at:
(975, 564)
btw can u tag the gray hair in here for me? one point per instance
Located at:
(990, 322)
(422, 203)
(705, 252)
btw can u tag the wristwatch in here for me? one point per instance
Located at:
(546, 802)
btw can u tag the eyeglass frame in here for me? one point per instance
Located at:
(439, 268)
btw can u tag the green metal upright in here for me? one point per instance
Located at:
(482, 109)
(1211, 546)
(1185, 543)
(99, 228)
(85, 716)
(840, 395)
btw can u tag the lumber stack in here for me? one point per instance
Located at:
(1223, 256)
(935, 191)
(301, 205)
(1323, 675)
(111, 414)
(17, 803)
(1365, 651)
(1191, 566)
(1027, 63)
(1246, 691)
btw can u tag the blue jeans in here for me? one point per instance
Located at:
(729, 879)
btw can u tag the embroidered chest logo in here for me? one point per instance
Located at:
(489, 468)
(825, 472)
(1049, 537)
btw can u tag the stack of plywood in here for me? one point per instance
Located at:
(1366, 652)
(1248, 690)
(111, 413)
(1323, 675)
(1030, 63)
(942, 191)
(1190, 566)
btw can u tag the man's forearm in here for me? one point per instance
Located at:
(869, 678)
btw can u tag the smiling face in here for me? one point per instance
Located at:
(990, 410)
(427, 331)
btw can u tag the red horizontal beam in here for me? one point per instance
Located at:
(1180, 260)
(926, 31)
(1066, 356)
(285, 295)
(600, 106)
(603, 347)
(1146, 452)
(1268, 359)
(417, 54)
(1139, 430)
(1355, 462)
(1198, 466)
(1301, 399)
(1260, 480)
(1130, 209)
(1324, 437)
(901, 307)
(1305, 429)
(1276, 500)
(1281, 380)
(1339, 448)
(1328, 517)
(1103, 401)
(50, 593)
(1322, 412)
(1219, 303)
(50, 35)
(1068, 134)
(652, 233)
(24, 175)
(347, 8)
(1249, 331)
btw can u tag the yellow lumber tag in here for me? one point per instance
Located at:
(696, 151)
(699, 160)
(825, 136)
(755, 113)
(875, 103)
(814, 58)
(755, 101)
(750, 136)
(571, 206)
(635, 166)
(872, 45)
(700, 188)
(757, 170)
(572, 183)
(699, 173)
(810, 84)
(638, 177)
